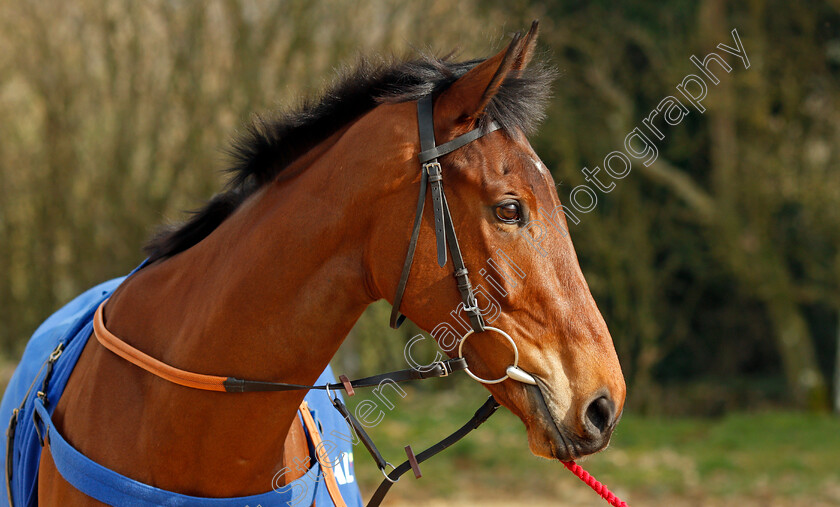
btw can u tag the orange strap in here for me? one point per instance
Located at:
(207, 383)
(149, 363)
(323, 457)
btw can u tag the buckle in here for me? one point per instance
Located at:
(434, 170)
(392, 481)
(56, 353)
(473, 302)
(445, 367)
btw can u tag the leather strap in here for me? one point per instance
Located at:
(11, 430)
(322, 456)
(426, 128)
(462, 278)
(438, 369)
(481, 415)
(436, 182)
(10, 453)
(460, 141)
(149, 363)
(432, 175)
(235, 385)
(396, 318)
(360, 432)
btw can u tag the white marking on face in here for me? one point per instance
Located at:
(561, 398)
(540, 166)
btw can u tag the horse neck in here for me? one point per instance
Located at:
(269, 295)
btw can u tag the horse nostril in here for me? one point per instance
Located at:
(599, 414)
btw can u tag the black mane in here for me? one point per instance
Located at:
(272, 142)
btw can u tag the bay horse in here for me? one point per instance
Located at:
(269, 277)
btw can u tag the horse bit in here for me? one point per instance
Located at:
(431, 176)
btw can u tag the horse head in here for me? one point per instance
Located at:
(515, 242)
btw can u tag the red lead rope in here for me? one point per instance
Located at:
(593, 483)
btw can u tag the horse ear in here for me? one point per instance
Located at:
(467, 97)
(529, 45)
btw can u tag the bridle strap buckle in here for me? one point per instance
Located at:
(434, 170)
(472, 307)
(444, 367)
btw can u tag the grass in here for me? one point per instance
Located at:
(771, 458)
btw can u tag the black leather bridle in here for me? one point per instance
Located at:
(432, 175)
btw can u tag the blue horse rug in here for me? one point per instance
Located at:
(63, 336)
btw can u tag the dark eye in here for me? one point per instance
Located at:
(508, 212)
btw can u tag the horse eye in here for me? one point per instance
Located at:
(508, 212)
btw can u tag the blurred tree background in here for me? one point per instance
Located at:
(717, 268)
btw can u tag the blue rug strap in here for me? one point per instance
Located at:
(109, 487)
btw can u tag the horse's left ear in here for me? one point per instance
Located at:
(528, 47)
(467, 97)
